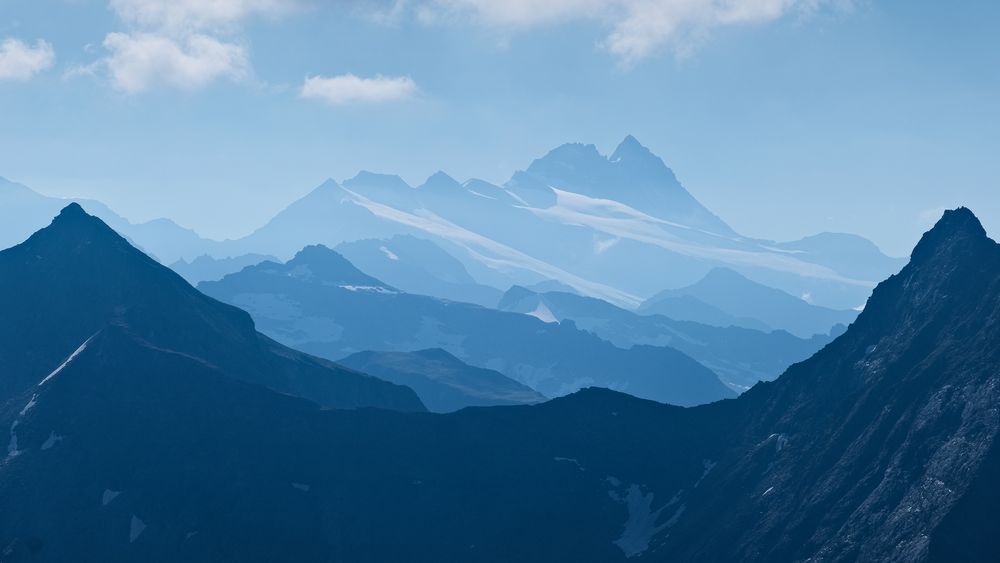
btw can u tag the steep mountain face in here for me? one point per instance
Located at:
(75, 278)
(306, 303)
(631, 175)
(418, 266)
(882, 447)
(746, 301)
(443, 382)
(740, 356)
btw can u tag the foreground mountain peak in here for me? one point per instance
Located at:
(957, 227)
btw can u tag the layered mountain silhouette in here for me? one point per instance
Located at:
(443, 382)
(207, 268)
(725, 297)
(418, 266)
(24, 211)
(77, 277)
(882, 446)
(620, 228)
(740, 356)
(320, 303)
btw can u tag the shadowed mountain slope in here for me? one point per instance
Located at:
(76, 277)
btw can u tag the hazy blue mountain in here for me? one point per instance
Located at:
(618, 227)
(740, 356)
(741, 298)
(443, 382)
(316, 303)
(207, 268)
(76, 277)
(418, 266)
(881, 447)
(690, 308)
(24, 211)
(631, 175)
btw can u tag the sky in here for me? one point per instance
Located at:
(784, 117)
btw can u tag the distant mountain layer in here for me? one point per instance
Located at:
(23, 211)
(76, 278)
(882, 447)
(725, 296)
(418, 266)
(443, 382)
(206, 268)
(618, 227)
(740, 356)
(320, 303)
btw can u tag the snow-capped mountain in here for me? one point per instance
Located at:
(619, 227)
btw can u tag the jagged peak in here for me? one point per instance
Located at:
(366, 178)
(440, 181)
(956, 227)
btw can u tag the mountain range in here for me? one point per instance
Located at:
(882, 446)
(74, 279)
(443, 382)
(739, 356)
(621, 228)
(724, 298)
(320, 303)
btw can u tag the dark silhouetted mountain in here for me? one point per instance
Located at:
(736, 296)
(443, 382)
(77, 276)
(23, 211)
(332, 316)
(206, 268)
(418, 266)
(741, 357)
(881, 447)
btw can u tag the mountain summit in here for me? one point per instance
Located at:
(633, 175)
(76, 277)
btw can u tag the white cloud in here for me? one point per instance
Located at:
(20, 61)
(348, 88)
(185, 16)
(637, 28)
(185, 44)
(138, 62)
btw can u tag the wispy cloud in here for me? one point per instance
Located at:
(21, 61)
(348, 89)
(636, 28)
(183, 44)
(138, 62)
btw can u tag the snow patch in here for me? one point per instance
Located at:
(31, 403)
(569, 460)
(389, 254)
(543, 313)
(68, 361)
(641, 524)
(52, 440)
(136, 528)
(708, 465)
(367, 289)
(109, 496)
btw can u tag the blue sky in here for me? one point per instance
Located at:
(785, 117)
